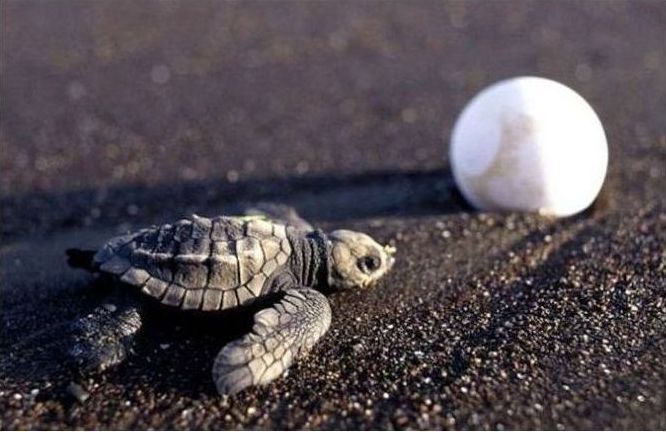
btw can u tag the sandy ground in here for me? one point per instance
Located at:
(114, 115)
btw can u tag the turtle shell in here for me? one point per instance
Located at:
(200, 263)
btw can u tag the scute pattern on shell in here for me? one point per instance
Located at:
(200, 263)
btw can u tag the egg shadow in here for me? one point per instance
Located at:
(328, 197)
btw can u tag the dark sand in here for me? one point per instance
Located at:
(119, 114)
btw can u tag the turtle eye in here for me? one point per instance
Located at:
(368, 264)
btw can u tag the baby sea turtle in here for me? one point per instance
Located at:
(222, 263)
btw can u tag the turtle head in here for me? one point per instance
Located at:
(357, 260)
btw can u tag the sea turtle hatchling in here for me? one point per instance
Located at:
(220, 263)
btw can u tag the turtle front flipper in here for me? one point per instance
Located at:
(281, 334)
(103, 338)
(280, 213)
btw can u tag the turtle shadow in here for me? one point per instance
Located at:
(173, 352)
(327, 197)
(35, 354)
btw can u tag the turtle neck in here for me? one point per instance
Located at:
(309, 258)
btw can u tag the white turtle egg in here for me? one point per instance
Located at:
(529, 144)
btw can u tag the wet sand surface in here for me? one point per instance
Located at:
(115, 115)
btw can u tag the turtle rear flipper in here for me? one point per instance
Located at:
(280, 334)
(104, 337)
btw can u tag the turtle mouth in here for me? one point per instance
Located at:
(368, 284)
(337, 281)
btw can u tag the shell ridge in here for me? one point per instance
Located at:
(261, 273)
(162, 259)
(209, 262)
(238, 270)
(172, 271)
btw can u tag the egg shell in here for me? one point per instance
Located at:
(529, 144)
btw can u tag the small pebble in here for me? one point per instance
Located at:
(77, 392)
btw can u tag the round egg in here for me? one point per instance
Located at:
(529, 144)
